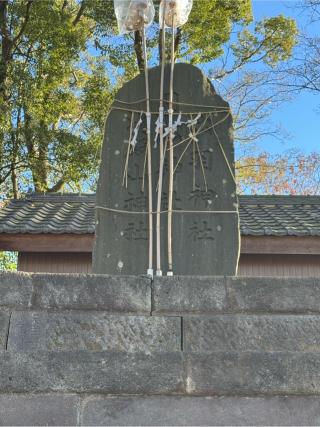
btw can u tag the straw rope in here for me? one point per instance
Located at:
(202, 131)
(124, 211)
(167, 113)
(125, 172)
(224, 154)
(174, 102)
(162, 152)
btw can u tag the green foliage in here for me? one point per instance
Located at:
(209, 27)
(55, 127)
(272, 41)
(60, 65)
(8, 261)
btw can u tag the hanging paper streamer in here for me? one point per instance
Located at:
(176, 12)
(175, 125)
(158, 125)
(194, 121)
(134, 139)
(133, 15)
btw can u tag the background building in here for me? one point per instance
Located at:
(55, 233)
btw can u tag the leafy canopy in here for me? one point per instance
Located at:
(61, 62)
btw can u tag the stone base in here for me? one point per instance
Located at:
(125, 350)
(101, 410)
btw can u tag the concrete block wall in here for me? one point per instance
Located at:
(125, 350)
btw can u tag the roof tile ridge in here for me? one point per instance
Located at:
(299, 222)
(279, 199)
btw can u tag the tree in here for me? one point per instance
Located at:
(290, 173)
(61, 63)
(293, 172)
(49, 126)
(8, 261)
(302, 72)
(312, 7)
(210, 26)
(253, 96)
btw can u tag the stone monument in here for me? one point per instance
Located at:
(206, 236)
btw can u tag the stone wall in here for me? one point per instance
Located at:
(123, 350)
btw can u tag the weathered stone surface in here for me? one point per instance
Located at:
(85, 372)
(252, 333)
(253, 372)
(271, 294)
(38, 410)
(204, 243)
(125, 294)
(201, 411)
(31, 331)
(15, 289)
(4, 325)
(178, 295)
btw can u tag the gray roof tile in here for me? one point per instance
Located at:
(74, 213)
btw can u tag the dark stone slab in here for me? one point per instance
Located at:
(282, 373)
(15, 290)
(38, 410)
(4, 325)
(31, 331)
(125, 294)
(91, 372)
(204, 243)
(272, 294)
(251, 333)
(183, 295)
(201, 411)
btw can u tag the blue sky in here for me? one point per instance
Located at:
(301, 117)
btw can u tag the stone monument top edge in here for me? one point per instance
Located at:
(184, 74)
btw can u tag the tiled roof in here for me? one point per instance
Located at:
(56, 214)
(74, 213)
(280, 215)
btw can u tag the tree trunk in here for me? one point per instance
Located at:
(14, 180)
(6, 46)
(160, 45)
(40, 169)
(57, 187)
(177, 42)
(37, 156)
(5, 55)
(139, 50)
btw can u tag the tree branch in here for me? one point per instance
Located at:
(3, 18)
(79, 14)
(24, 24)
(245, 59)
(57, 187)
(6, 47)
(64, 5)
